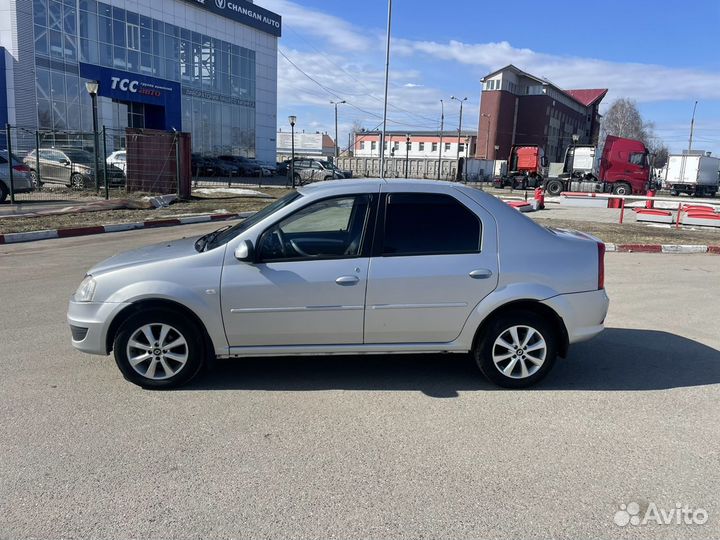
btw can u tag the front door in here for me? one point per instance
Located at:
(434, 260)
(307, 286)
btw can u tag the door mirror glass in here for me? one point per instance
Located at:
(245, 251)
(543, 161)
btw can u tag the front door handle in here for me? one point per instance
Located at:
(480, 273)
(347, 280)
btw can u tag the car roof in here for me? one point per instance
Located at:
(350, 184)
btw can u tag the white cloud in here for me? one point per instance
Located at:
(642, 82)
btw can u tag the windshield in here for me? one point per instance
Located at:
(244, 225)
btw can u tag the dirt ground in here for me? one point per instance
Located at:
(627, 233)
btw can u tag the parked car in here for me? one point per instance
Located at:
(223, 168)
(313, 170)
(268, 169)
(350, 267)
(202, 166)
(22, 183)
(69, 166)
(246, 166)
(118, 159)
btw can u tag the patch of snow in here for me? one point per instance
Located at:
(234, 191)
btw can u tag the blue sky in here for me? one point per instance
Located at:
(664, 55)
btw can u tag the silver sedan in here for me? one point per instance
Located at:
(350, 267)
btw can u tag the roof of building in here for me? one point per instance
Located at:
(585, 97)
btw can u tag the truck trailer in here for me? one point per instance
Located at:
(623, 169)
(695, 175)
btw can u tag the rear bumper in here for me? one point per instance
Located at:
(583, 313)
(89, 323)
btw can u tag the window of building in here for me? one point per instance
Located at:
(461, 147)
(362, 145)
(396, 145)
(434, 147)
(447, 146)
(373, 145)
(421, 146)
(133, 37)
(429, 224)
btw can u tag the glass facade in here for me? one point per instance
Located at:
(217, 77)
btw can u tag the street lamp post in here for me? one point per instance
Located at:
(292, 119)
(487, 136)
(92, 88)
(442, 127)
(407, 153)
(497, 147)
(460, 124)
(336, 103)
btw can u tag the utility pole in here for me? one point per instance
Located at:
(387, 72)
(442, 127)
(337, 148)
(457, 157)
(692, 127)
(407, 153)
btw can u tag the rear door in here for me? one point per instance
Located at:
(434, 259)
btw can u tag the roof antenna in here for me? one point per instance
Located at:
(387, 71)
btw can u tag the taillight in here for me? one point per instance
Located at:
(21, 168)
(601, 265)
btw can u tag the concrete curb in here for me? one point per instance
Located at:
(661, 248)
(14, 238)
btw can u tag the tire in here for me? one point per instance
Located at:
(674, 193)
(328, 178)
(622, 188)
(170, 367)
(489, 353)
(77, 181)
(298, 180)
(34, 179)
(554, 187)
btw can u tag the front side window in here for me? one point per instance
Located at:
(429, 224)
(327, 229)
(638, 158)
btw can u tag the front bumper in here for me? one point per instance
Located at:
(583, 313)
(89, 323)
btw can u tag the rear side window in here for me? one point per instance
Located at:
(429, 224)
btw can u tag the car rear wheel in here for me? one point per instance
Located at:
(37, 184)
(3, 192)
(158, 350)
(517, 350)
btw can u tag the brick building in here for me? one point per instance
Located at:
(519, 108)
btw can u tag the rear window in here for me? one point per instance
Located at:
(429, 224)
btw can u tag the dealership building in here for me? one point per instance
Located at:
(208, 67)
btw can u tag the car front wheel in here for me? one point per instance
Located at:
(517, 350)
(158, 350)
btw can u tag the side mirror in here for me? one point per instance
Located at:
(543, 161)
(245, 251)
(65, 161)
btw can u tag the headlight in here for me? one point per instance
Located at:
(86, 291)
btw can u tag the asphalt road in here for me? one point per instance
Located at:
(369, 447)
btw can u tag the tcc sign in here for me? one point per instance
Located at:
(126, 85)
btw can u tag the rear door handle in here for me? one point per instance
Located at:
(347, 280)
(480, 273)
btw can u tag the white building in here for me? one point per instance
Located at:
(422, 144)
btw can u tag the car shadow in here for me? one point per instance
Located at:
(618, 359)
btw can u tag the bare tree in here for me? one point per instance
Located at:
(623, 119)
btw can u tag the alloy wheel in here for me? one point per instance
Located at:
(157, 351)
(519, 352)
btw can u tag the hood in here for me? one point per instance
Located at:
(148, 254)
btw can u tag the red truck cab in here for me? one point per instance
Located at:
(625, 165)
(525, 167)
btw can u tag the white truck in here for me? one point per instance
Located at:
(697, 175)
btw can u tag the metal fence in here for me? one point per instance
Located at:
(397, 167)
(68, 165)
